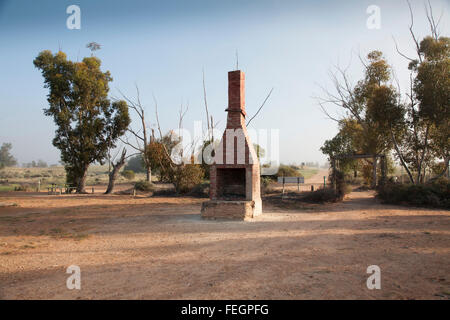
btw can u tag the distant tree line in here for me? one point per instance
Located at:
(35, 164)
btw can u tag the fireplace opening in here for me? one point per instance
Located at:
(231, 184)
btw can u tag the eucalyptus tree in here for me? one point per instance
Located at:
(88, 124)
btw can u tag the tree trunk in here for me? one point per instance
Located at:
(420, 177)
(148, 172)
(82, 182)
(446, 169)
(400, 156)
(115, 171)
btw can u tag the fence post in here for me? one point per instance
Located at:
(383, 170)
(374, 172)
(92, 190)
(333, 164)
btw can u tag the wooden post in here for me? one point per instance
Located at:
(283, 186)
(383, 170)
(324, 182)
(333, 174)
(312, 188)
(298, 184)
(374, 173)
(92, 190)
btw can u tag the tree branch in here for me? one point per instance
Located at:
(265, 100)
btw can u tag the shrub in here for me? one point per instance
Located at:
(135, 164)
(265, 183)
(201, 190)
(435, 194)
(167, 192)
(342, 188)
(186, 177)
(143, 186)
(128, 174)
(320, 196)
(23, 187)
(288, 171)
(329, 194)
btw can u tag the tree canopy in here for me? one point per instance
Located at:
(378, 121)
(88, 124)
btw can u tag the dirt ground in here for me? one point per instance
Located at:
(160, 248)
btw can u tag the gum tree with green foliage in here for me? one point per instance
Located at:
(88, 124)
(136, 164)
(416, 128)
(424, 143)
(430, 108)
(371, 107)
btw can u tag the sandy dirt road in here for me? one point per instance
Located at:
(159, 248)
(315, 180)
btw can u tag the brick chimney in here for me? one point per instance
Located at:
(236, 100)
(234, 176)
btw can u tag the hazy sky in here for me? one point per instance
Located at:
(163, 46)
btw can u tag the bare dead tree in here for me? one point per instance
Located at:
(166, 152)
(343, 97)
(141, 136)
(115, 171)
(208, 124)
(260, 108)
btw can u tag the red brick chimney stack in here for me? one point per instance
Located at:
(236, 100)
(234, 175)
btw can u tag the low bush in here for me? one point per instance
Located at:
(288, 171)
(23, 187)
(320, 196)
(128, 174)
(201, 190)
(166, 192)
(186, 177)
(265, 182)
(144, 186)
(435, 194)
(329, 194)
